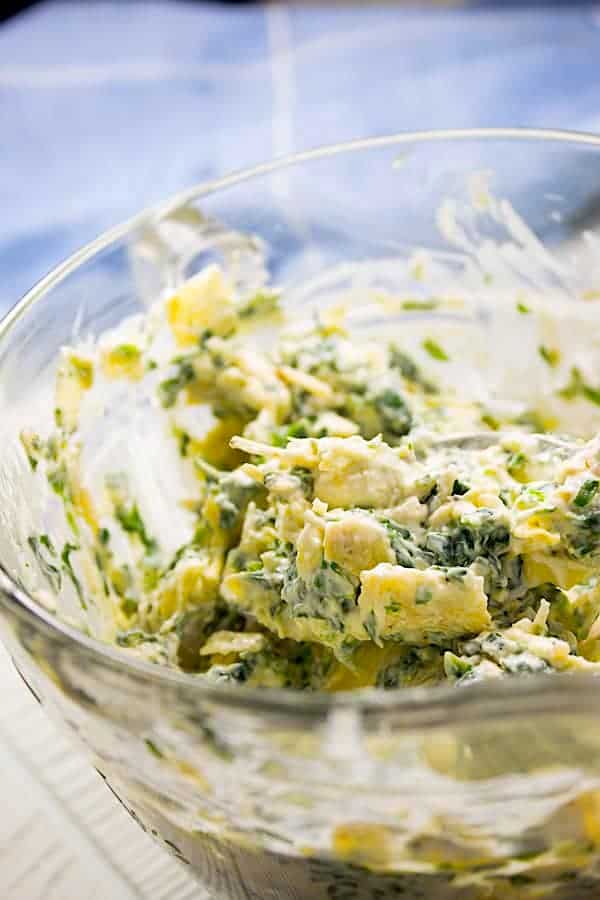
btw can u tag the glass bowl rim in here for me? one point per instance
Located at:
(423, 707)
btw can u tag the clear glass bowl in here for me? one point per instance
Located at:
(486, 792)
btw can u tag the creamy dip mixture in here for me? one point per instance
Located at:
(333, 542)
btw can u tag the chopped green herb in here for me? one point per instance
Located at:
(204, 337)
(299, 429)
(395, 415)
(201, 534)
(68, 568)
(129, 605)
(134, 638)
(184, 443)
(430, 492)
(152, 575)
(370, 625)
(416, 305)
(491, 421)
(533, 420)
(409, 369)
(521, 879)
(578, 387)
(278, 439)
(57, 479)
(533, 493)
(264, 303)
(459, 488)
(481, 534)
(435, 351)
(100, 565)
(154, 749)
(524, 310)
(306, 479)
(44, 552)
(33, 447)
(169, 390)
(515, 462)
(423, 595)
(456, 573)
(228, 514)
(131, 522)
(125, 353)
(83, 370)
(455, 667)
(47, 543)
(586, 492)
(549, 355)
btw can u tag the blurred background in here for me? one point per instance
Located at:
(106, 107)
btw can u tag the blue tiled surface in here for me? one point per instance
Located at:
(106, 107)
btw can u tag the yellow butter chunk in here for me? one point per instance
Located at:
(123, 361)
(248, 377)
(222, 643)
(530, 538)
(202, 304)
(549, 569)
(355, 472)
(193, 581)
(253, 595)
(356, 542)
(214, 447)
(414, 604)
(348, 472)
(364, 843)
(336, 426)
(75, 376)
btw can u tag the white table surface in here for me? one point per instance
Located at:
(63, 836)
